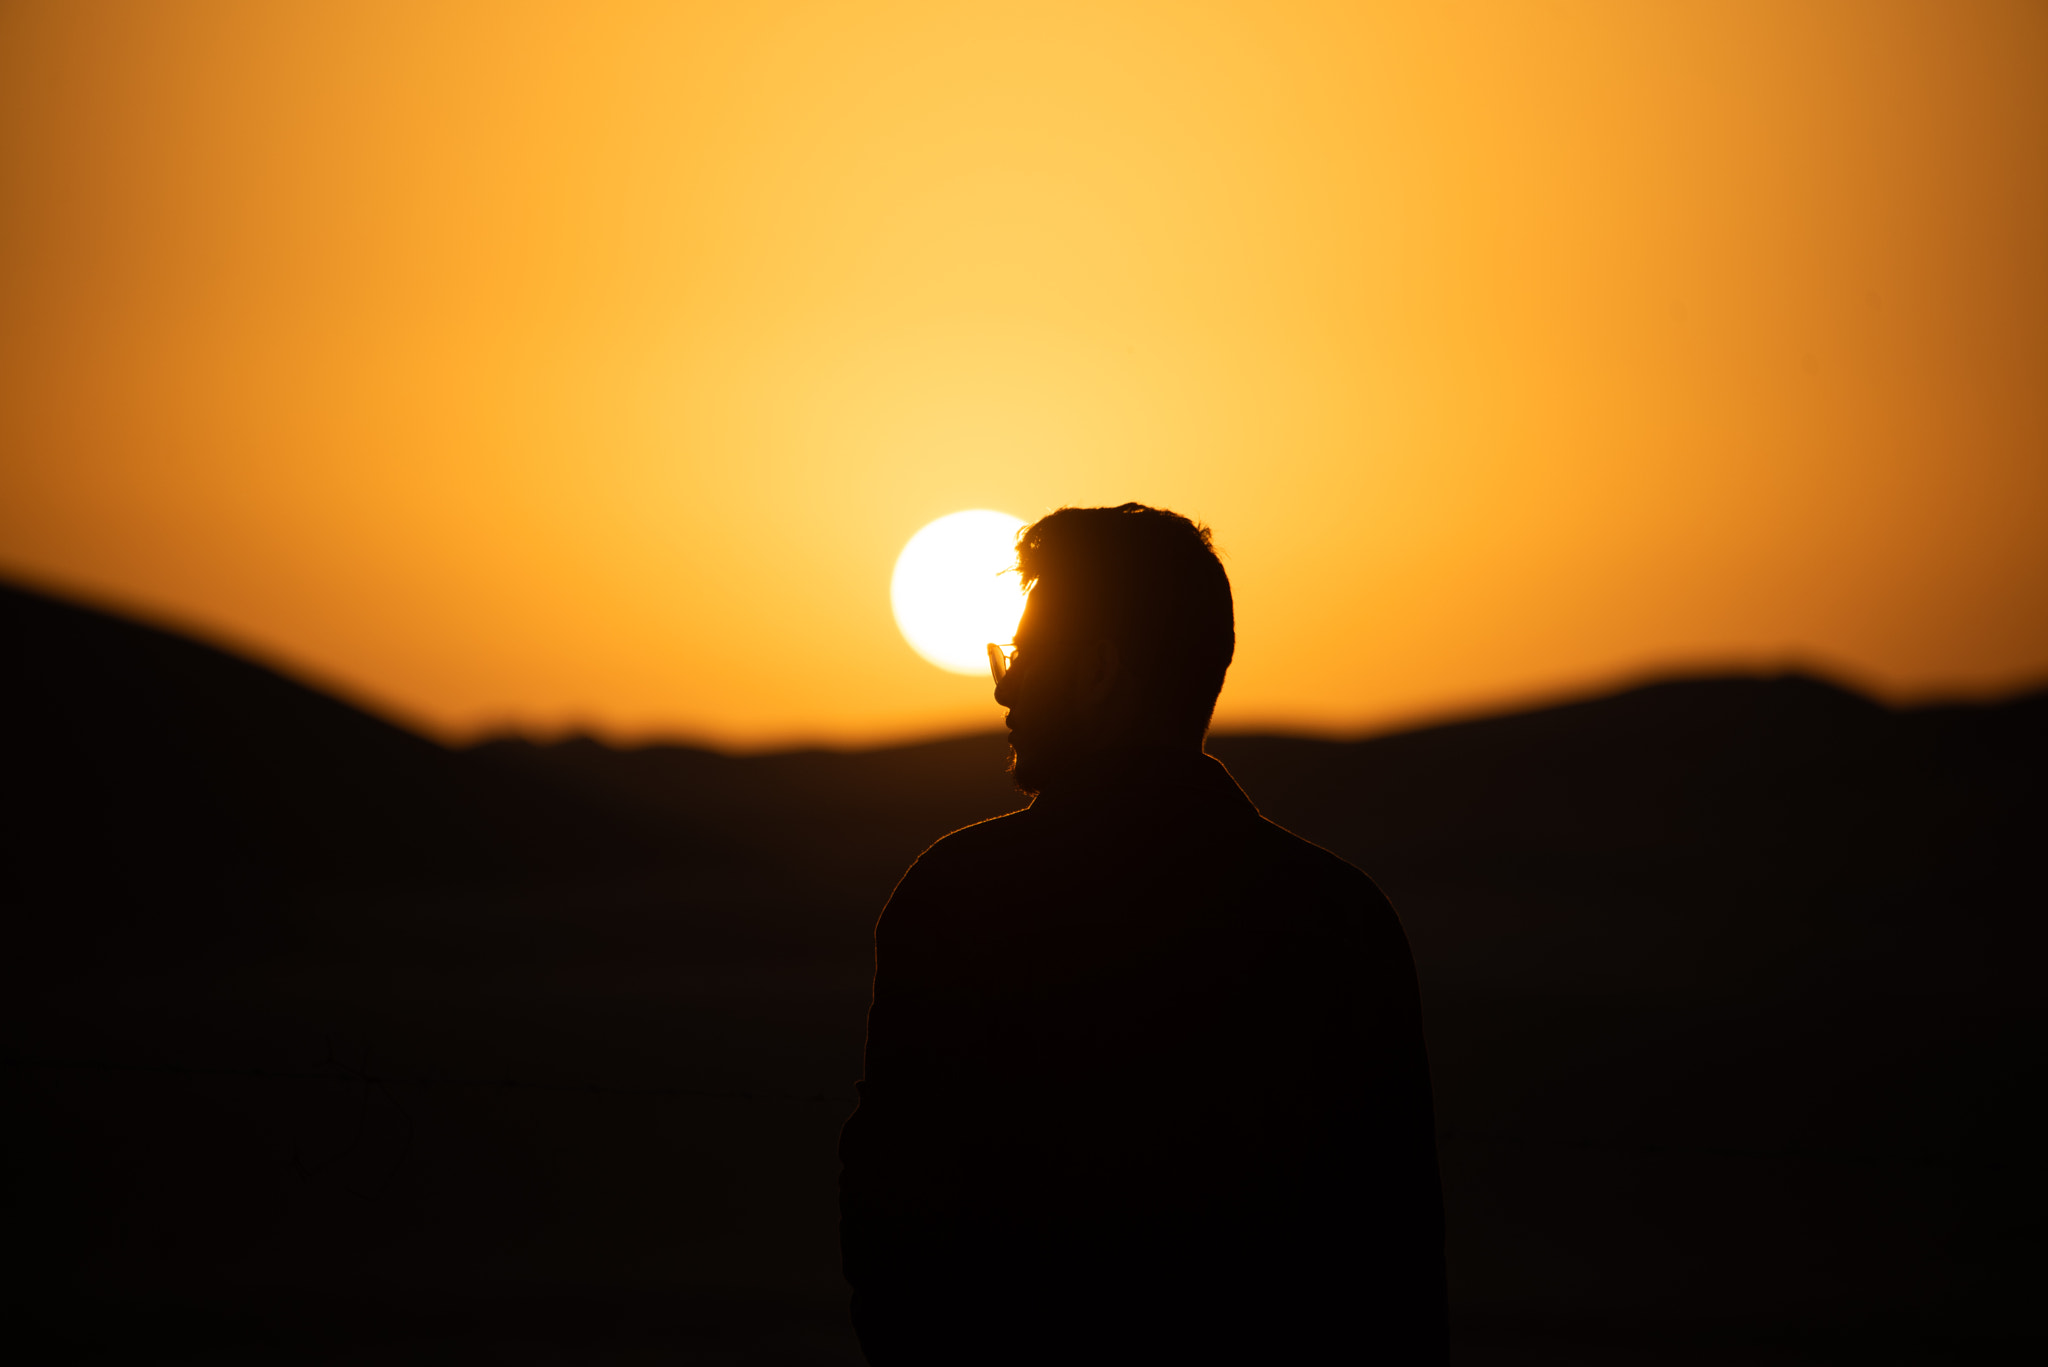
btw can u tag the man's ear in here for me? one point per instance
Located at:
(1101, 672)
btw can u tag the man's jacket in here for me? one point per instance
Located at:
(1145, 1080)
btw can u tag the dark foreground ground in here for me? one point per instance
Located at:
(323, 1044)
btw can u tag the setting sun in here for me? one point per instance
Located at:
(950, 592)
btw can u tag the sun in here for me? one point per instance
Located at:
(949, 590)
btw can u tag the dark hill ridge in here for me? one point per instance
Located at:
(145, 733)
(160, 789)
(1714, 833)
(402, 1049)
(1805, 828)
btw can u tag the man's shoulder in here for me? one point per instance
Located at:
(950, 875)
(1280, 844)
(973, 847)
(1311, 866)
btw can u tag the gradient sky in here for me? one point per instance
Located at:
(586, 365)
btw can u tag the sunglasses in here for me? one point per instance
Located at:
(999, 660)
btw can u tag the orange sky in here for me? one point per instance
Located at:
(587, 365)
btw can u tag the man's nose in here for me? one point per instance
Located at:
(1006, 688)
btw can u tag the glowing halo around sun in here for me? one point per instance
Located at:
(949, 590)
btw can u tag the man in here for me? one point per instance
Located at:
(1145, 1078)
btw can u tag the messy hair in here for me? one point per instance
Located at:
(1148, 579)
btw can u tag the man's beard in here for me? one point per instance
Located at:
(1040, 764)
(1044, 762)
(1024, 775)
(1043, 750)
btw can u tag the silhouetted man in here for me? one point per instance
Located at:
(1145, 1076)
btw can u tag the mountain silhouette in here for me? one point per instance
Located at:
(331, 1043)
(160, 789)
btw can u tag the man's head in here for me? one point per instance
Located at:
(1124, 642)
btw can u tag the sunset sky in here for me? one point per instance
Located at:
(587, 365)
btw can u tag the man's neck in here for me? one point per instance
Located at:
(1115, 770)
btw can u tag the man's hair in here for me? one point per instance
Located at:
(1149, 580)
